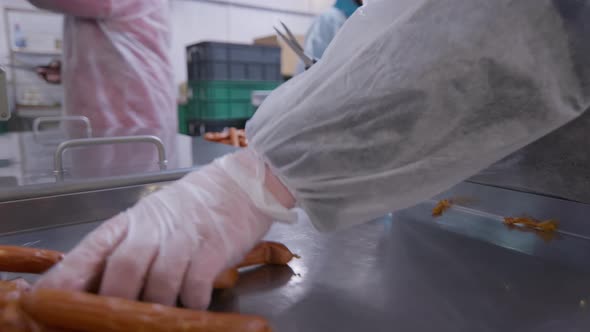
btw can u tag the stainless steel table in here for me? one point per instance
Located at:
(27, 161)
(409, 271)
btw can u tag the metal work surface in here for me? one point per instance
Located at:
(464, 271)
(556, 165)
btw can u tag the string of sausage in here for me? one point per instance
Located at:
(233, 136)
(25, 311)
(31, 260)
(47, 310)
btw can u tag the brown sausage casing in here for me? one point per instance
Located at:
(268, 253)
(27, 260)
(91, 313)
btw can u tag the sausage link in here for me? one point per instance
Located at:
(14, 285)
(31, 260)
(27, 260)
(268, 253)
(91, 313)
(233, 136)
(227, 279)
(12, 317)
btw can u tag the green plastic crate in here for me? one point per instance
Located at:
(183, 119)
(224, 100)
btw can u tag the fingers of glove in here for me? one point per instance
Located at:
(82, 268)
(125, 271)
(198, 280)
(167, 271)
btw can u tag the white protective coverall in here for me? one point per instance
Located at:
(116, 65)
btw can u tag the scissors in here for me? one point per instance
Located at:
(290, 39)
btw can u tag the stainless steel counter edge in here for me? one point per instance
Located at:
(65, 188)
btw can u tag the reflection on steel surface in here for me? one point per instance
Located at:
(85, 142)
(556, 165)
(68, 118)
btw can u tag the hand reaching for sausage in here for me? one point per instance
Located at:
(25, 311)
(175, 242)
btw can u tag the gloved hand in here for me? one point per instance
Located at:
(174, 242)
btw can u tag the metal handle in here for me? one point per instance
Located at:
(45, 119)
(84, 142)
(4, 105)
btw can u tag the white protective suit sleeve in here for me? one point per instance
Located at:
(407, 102)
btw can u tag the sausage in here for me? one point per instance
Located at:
(243, 142)
(14, 285)
(216, 137)
(209, 136)
(12, 318)
(441, 207)
(9, 292)
(27, 260)
(268, 253)
(264, 278)
(527, 222)
(30, 260)
(233, 136)
(227, 279)
(221, 136)
(226, 141)
(272, 253)
(91, 313)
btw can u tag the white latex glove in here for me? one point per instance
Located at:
(174, 242)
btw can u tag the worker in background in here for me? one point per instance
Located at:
(116, 68)
(325, 27)
(409, 105)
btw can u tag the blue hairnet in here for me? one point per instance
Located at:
(346, 6)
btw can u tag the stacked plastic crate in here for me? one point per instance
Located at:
(222, 77)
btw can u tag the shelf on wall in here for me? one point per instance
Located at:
(35, 111)
(37, 52)
(24, 107)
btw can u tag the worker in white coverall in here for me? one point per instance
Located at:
(405, 104)
(325, 27)
(116, 63)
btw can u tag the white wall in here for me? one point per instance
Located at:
(293, 5)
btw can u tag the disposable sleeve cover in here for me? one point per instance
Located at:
(407, 102)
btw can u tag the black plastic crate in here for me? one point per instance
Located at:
(199, 127)
(223, 61)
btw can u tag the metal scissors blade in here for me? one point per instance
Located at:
(294, 45)
(291, 36)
